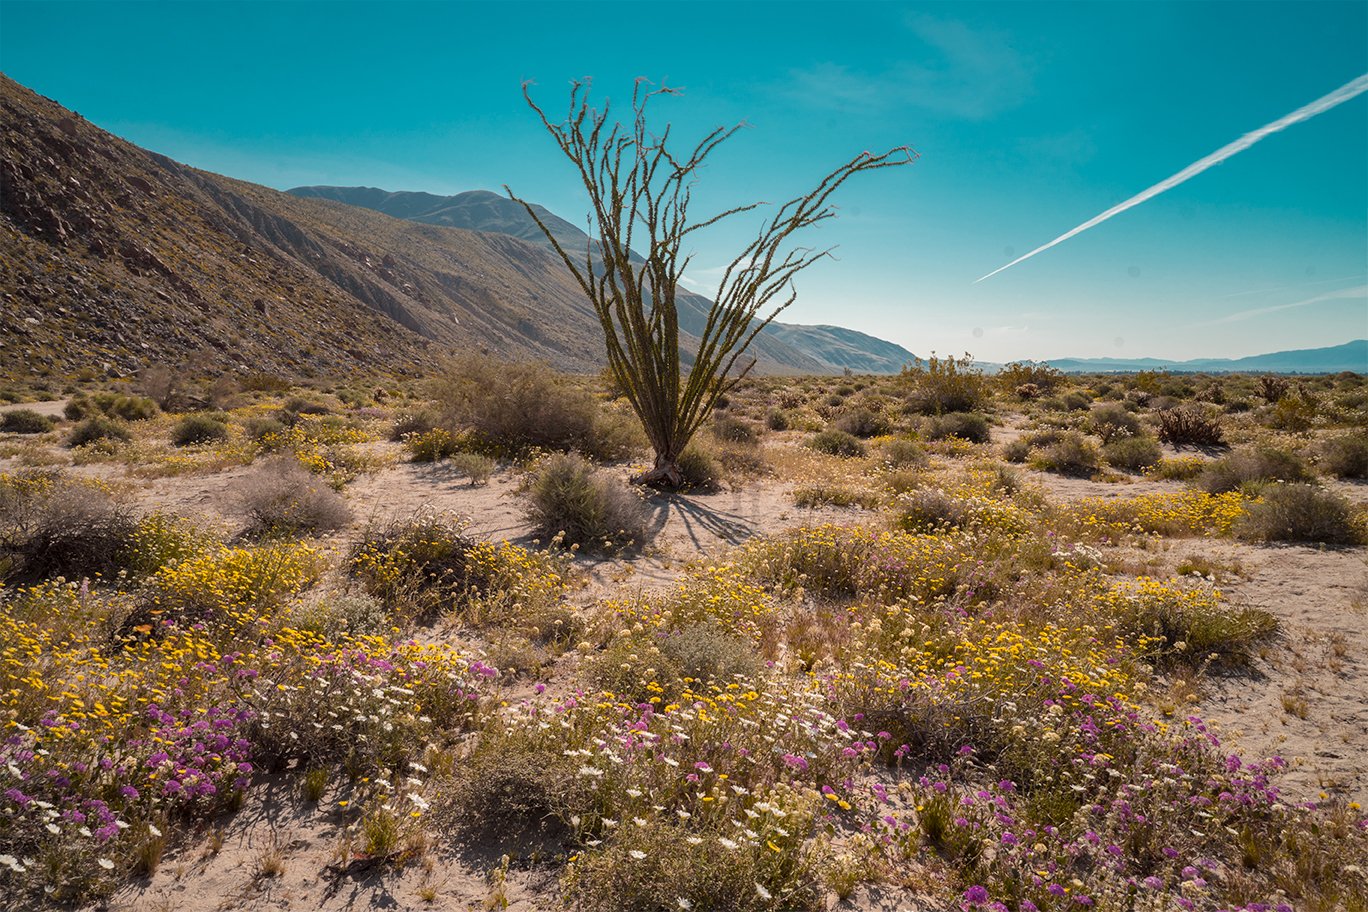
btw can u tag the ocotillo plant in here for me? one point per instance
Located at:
(639, 192)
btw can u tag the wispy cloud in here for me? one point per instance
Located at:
(1319, 106)
(957, 71)
(1358, 291)
(1258, 291)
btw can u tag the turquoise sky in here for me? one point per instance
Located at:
(1030, 119)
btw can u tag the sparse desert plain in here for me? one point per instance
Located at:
(934, 640)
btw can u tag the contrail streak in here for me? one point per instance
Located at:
(1319, 106)
(1360, 291)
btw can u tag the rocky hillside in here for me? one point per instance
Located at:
(113, 258)
(792, 347)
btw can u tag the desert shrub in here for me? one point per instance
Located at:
(777, 420)
(705, 652)
(298, 405)
(506, 793)
(734, 430)
(114, 405)
(1112, 421)
(432, 445)
(1189, 425)
(418, 567)
(568, 496)
(699, 469)
(1018, 450)
(1345, 456)
(1184, 625)
(930, 509)
(1252, 466)
(1071, 454)
(196, 429)
(1294, 412)
(1041, 379)
(346, 614)
(98, 428)
(1300, 513)
(1132, 453)
(25, 421)
(942, 385)
(964, 425)
(50, 526)
(900, 454)
(1272, 387)
(836, 443)
(259, 427)
(261, 382)
(408, 423)
(473, 466)
(514, 408)
(822, 493)
(861, 423)
(1182, 468)
(281, 497)
(1075, 401)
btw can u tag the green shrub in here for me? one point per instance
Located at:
(777, 420)
(259, 427)
(281, 497)
(475, 467)
(1345, 456)
(1018, 450)
(25, 421)
(197, 429)
(734, 430)
(836, 443)
(114, 405)
(1071, 454)
(1112, 421)
(929, 509)
(96, 429)
(861, 423)
(567, 496)
(1300, 513)
(432, 445)
(901, 454)
(699, 469)
(418, 567)
(964, 425)
(1252, 466)
(705, 652)
(941, 385)
(1133, 454)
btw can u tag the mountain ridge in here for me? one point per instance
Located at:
(1349, 356)
(819, 349)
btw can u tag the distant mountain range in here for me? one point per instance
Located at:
(793, 347)
(1351, 356)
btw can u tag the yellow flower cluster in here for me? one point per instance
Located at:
(1180, 513)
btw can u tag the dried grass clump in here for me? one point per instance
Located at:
(567, 496)
(281, 497)
(1071, 454)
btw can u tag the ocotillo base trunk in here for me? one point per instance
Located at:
(666, 474)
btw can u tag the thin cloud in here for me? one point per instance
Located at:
(963, 72)
(1319, 106)
(1359, 291)
(1257, 291)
